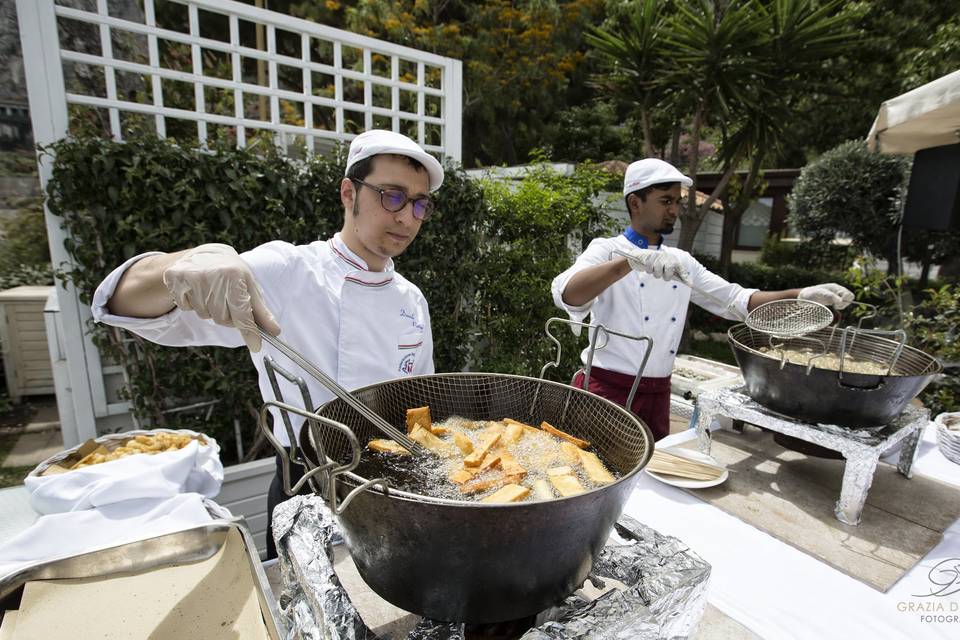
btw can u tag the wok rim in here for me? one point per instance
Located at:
(357, 480)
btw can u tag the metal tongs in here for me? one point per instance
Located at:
(401, 438)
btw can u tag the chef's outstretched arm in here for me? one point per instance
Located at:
(211, 280)
(592, 281)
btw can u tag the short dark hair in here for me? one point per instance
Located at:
(642, 193)
(363, 168)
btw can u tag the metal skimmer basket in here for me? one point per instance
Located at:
(621, 439)
(789, 318)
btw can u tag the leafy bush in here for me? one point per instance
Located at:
(18, 163)
(24, 252)
(931, 323)
(933, 327)
(591, 132)
(527, 230)
(484, 261)
(807, 255)
(851, 190)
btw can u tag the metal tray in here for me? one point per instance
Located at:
(181, 547)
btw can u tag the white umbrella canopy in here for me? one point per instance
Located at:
(928, 116)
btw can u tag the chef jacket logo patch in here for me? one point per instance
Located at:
(406, 364)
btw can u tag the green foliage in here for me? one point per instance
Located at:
(24, 252)
(807, 255)
(18, 163)
(527, 230)
(522, 61)
(853, 191)
(484, 261)
(931, 324)
(903, 44)
(591, 132)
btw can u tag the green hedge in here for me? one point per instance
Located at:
(484, 261)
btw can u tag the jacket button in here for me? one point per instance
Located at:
(641, 285)
(671, 351)
(646, 317)
(673, 319)
(674, 286)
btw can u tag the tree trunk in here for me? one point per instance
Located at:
(925, 271)
(731, 217)
(675, 145)
(733, 213)
(647, 134)
(692, 218)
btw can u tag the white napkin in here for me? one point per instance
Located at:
(71, 533)
(192, 469)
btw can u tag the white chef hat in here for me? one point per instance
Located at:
(643, 173)
(378, 141)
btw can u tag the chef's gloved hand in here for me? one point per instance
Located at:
(830, 294)
(214, 282)
(660, 264)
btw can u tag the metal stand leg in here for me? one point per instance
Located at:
(857, 478)
(909, 451)
(704, 439)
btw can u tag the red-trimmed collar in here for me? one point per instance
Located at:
(343, 252)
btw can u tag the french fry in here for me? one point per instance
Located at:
(570, 453)
(549, 428)
(542, 490)
(387, 446)
(430, 441)
(463, 443)
(508, 493)
(566, 484)
(510, 465)
(490, 460)
(482, 484)
(494, 428)
(462, 475)
(513, 433)
(594, 468)
(486, 443)
(559, 471)
(509, 421)
(421, 416)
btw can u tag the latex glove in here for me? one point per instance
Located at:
(659, 264)
(830, 294)
(214, 282)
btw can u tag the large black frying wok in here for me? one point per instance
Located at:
(820, 395)
(464, 561)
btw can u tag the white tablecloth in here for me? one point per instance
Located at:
(779, 592)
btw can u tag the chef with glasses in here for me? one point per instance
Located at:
(339, 301)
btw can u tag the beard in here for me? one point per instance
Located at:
(665, 229)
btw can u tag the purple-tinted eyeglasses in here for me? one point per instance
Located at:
(394, 200)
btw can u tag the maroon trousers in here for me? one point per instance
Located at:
(651, 403)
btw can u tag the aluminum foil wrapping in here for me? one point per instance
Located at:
(861, 448)
(662, 590)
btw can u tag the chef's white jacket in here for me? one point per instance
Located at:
(358, 326)
(642, 305)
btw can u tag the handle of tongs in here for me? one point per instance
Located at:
(343, 394)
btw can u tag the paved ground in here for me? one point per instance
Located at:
(28, 435)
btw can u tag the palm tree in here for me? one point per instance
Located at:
(736, 65)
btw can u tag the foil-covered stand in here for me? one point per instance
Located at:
(861, 448)
(664, 583)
